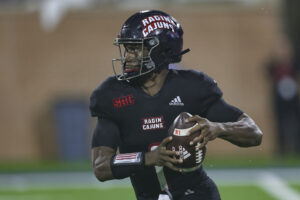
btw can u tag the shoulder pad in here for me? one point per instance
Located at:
(192, 74)
(100, 100)
(201, 80)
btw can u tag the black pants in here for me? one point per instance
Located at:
(205, 190)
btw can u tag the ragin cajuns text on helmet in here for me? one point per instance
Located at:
(157, 33)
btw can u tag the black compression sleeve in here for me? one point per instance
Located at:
(220, 111)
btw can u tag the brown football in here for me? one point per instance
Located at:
(179, 130)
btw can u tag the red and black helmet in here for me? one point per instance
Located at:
(155, 30)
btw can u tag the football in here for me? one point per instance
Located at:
(179, 130)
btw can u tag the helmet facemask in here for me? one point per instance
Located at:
(142, 48)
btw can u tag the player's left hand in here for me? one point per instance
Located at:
(208, 130)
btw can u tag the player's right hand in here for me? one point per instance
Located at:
(163, 157)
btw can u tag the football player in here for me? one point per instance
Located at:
(136, 107)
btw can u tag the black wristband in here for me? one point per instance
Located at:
(124, 165)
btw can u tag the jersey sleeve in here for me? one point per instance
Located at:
(209, 93)
(106, 133)
(220, 111)
(101, 100)
(98, 107)
(213, 107)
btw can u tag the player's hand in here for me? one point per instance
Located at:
(163, 157)
(208, 130)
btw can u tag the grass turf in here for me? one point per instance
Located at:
(248, 192)
(296, 187)
(69, 194)
(210, 162)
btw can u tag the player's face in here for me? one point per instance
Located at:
(133, 57)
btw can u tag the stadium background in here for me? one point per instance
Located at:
(52, 55)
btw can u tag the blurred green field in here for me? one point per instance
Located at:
(245, 192)
(210, 162)
(68, 194)
(296, 187)
(227, 192)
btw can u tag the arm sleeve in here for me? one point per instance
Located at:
(106, 133)
(220, 111)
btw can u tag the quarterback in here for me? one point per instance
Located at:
(136, 107)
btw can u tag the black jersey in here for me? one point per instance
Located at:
(137, 122)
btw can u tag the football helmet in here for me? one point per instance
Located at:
(158, 37)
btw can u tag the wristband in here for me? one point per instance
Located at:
(124, 165)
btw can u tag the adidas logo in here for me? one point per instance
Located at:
(184, 154)
(188, 192)
(176, 102)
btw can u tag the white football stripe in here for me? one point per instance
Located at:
(183, 132)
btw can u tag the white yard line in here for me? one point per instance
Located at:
(277, 187)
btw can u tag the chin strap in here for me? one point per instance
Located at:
(167, 61)
(174, 57)
(184, 52)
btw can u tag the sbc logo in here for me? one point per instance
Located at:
(123, 101)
